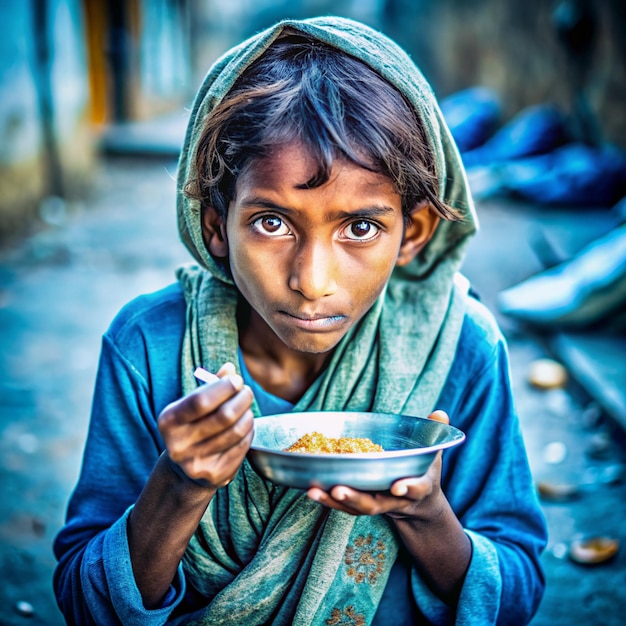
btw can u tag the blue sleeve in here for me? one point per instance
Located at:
(93, 581)
(488, 483)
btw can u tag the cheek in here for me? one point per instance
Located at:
(366, 280)
(244, 269)
(255, 275)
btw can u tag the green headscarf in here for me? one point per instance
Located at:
(267, 554)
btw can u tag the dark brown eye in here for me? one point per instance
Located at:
(270, 225)
(361, 230)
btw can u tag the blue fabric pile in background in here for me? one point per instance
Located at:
(533, 155)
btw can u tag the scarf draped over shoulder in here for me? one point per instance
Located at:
(265, 554)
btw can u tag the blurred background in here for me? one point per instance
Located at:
(94, 97)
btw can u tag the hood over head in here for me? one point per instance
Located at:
(393, 64)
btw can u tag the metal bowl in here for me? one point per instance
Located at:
(410, 445)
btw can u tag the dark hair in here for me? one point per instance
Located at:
(303, 90)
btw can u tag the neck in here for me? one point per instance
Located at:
(284, 372)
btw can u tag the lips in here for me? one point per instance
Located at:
(315, 321)
(312, 317)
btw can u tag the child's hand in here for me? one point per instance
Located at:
(209, 432)
(408, 497)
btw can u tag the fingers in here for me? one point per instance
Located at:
(417, 488)
(337, 498)
(412, 488)
(213, 432)
(228, 369)
(201, 402)
(214, 423)
(204, 441)
(403, 497)
(356, 502)
(217, 470)
(210, 421)
(206, 400)
(439, 416)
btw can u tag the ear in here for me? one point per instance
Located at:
(214, 232)
(421, 227)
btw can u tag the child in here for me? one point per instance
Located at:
(327, 207)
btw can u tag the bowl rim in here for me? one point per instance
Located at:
(458, 437)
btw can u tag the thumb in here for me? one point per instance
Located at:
(228, 369)
(439, 416)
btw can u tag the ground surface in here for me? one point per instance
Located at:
(60, 288)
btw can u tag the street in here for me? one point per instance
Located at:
(60, 287)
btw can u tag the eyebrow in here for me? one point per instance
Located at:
(368, 212)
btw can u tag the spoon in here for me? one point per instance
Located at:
(204, 375)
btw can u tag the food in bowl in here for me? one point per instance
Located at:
(410, 443)
(316, 443)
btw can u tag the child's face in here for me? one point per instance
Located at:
(311, 262)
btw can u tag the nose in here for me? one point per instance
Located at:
(313, 270)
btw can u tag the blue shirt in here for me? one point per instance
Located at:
(486, 480)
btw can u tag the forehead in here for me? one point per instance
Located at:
(288, 168)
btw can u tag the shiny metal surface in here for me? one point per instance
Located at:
(410, 444)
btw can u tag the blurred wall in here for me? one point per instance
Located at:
(139, 57)
(513, 46)
(45, 148)
(69, 69)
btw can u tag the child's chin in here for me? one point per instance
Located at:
(320, 344)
